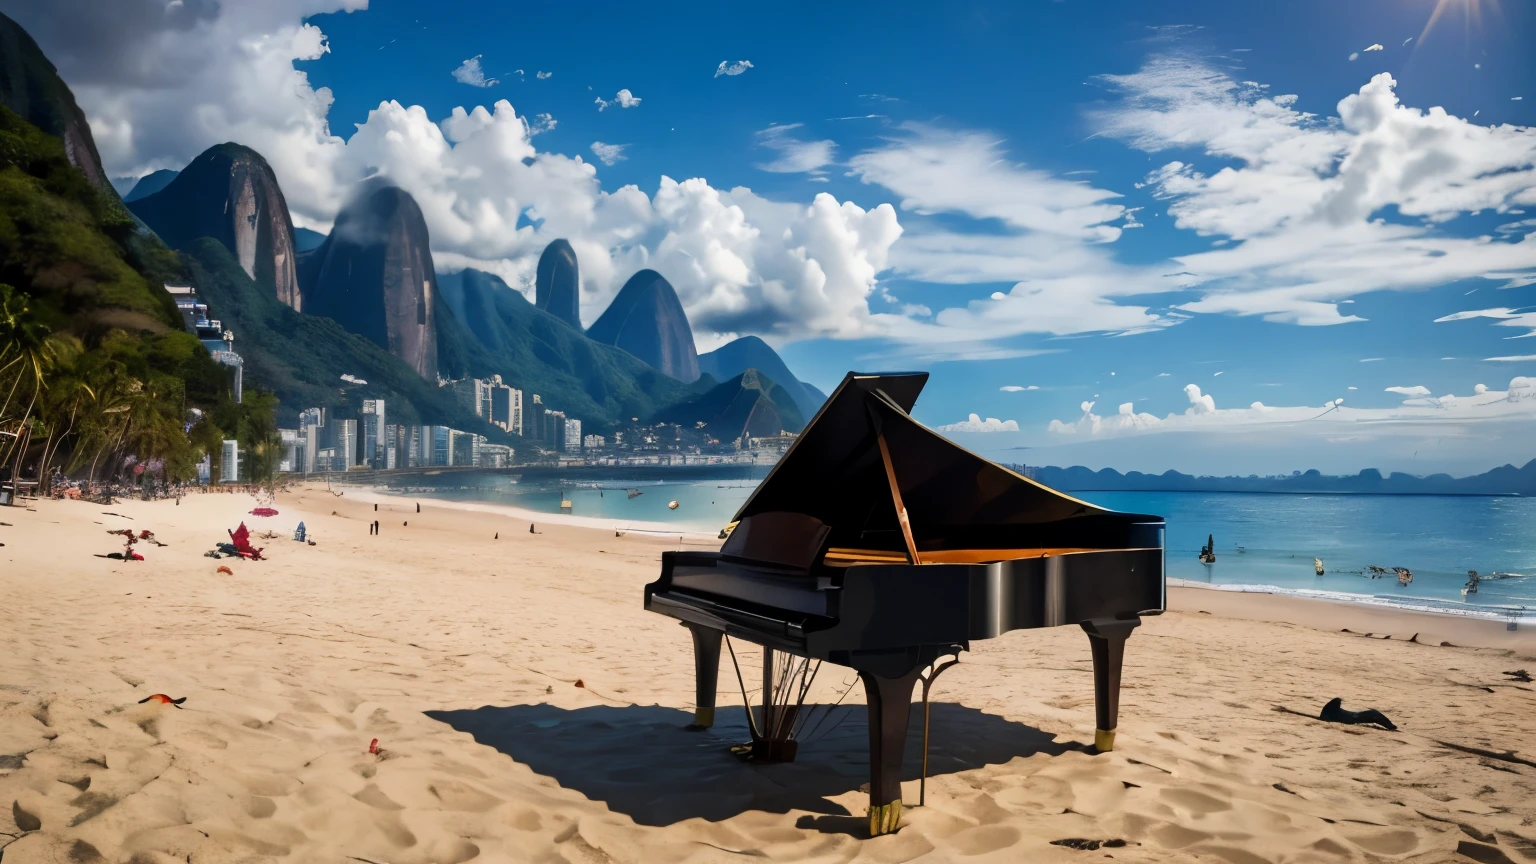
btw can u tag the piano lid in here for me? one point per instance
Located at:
(863, 460)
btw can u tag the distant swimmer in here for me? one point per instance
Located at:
(1317, 565)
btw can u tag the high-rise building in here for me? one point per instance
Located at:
(572, 436)
(466, 448)
(441, 438)
(593, 442)
(373, 439)
(311, 422)
(506, 406)
(554, 430)
(229, 462)
(289, 453)
(341, 438)
(533, 420)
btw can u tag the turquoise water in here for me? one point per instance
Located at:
(1260, 539)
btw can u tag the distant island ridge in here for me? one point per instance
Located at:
(1504, 480)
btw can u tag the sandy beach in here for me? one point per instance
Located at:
(527, 709)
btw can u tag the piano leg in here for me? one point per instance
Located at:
(706, 671)
(890, 706)
(1107, 636)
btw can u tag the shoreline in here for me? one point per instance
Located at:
(374, 494)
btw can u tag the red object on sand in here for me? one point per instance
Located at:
(241, 538)
(163, 699)
(263, 511)
(373, 747)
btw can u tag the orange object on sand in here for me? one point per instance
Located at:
(373, 747)
(163, 699)
(225, 570)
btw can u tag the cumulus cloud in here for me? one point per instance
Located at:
(1298, 197)
(1518, 402)
(1015, 388)
(1416, 390)
(1198, 403)
(469, 72)
(736, 68)
(794, 155)
(609, 153)
(624, 99)
(975, 424)
(542, 123)
(544, 75)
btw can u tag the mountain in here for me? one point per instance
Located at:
(750, 352)
(149, 184)
(750, 404)
(647, 320)
(557, 287)
(31, 87)
(302, 357)
(374, 275)
(229, 193)
(305, 240)
(1506, 480)
(491, 328)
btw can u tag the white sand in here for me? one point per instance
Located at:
(460, 654)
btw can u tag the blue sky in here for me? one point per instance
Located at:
(1054, 171)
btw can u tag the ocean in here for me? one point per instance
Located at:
(1261, 540)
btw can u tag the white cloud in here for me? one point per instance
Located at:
(624, 99)
(1198, 403)
(1015, 388)
(794, 156)
(1521, 358)
(543, 75)
(1299, 196)
(542, 123)
(1353, 56)
(940, 171)
(1506, 317)
(1376, 47)
(609, 153)
(1480, 389)
(1518, 402)
(976, 424)
(1416, 390)
(1372, 359)
(469, 72)
(736, 68)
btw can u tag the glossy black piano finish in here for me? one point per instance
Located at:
(879, 545)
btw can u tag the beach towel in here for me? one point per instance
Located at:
(264, 511)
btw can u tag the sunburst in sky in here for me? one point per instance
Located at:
(1471, 12)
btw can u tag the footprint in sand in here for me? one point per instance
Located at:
(984, 839)
(374, 797)
(459, 796)
(1195, 802)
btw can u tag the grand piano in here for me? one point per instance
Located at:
(879, 545)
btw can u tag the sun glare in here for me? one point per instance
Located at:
(1471, 12)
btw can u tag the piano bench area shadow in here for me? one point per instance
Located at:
(641, 760)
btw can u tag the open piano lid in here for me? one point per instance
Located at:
(837, 474)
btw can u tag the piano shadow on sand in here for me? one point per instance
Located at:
(642, 762)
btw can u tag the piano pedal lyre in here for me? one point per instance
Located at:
(933, 671)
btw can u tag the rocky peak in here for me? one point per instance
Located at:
(229, 193)
(374, 275)
(557, 287)
(647, 320)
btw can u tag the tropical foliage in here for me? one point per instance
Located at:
(97, 378)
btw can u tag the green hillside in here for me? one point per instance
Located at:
(91, 347)
(750, 403)
(538, 353)
(301, 357)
